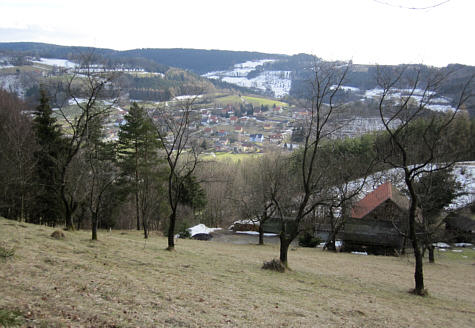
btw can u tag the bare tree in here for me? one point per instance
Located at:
(102, 171)
(173, 122)
(17, 161)
(86, 87)
(311, 172)
(421, 138)
(218, 179)
(259, 182)
(351, 162)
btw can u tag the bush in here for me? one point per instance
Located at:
(274, 265)
(308, 240)
(183, 232)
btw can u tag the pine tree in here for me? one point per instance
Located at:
(48, 207)
(138, 145)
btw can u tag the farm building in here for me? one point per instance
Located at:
(377, 221)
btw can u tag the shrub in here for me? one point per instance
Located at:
(274, 265)
(183, 232)
(308, 240)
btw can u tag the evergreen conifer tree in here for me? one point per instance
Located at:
(48, 206)
(138, 158)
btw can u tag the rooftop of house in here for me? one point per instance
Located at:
(378, 196)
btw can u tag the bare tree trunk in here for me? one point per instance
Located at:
(284, 249)
(68, 214)
(418, 274)
(171, 231)
(145, 227)
(137, 209)
(431, 254)
(68, 210)
(261, 234)
(94, 226)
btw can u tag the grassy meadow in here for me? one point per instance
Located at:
(256, 101)
(123, 281)
(221, 156)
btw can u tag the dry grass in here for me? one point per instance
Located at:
(122, 281)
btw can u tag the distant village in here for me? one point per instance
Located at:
(234, 130)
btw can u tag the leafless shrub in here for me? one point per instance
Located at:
(57, 234)
(274, 265)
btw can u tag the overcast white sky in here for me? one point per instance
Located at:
(366, 31)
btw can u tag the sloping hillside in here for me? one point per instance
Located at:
(124, 281)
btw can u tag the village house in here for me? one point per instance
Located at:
(275, 138)
(267, 126)
(377, 222)
(256, 137)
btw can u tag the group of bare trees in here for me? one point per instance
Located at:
(418, 142)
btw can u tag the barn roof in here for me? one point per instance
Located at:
(384, 192)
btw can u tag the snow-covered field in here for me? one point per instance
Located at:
(12, 83)
(440, 104)
(56, 62)
(278, 82)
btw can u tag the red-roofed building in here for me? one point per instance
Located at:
(378, 222)
(386, 196)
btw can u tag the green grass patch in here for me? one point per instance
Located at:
(229, 99)
(220, 156)
(10, 318)
(463, 254)
(258, 101)
(254, 100)
(6, 251)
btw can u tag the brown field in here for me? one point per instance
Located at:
(123, 281)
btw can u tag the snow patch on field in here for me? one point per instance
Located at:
(201, 228)
(187, 97)
(266, 234)
(439, 104)
(345, 88)
(56, 62)
(12, 83)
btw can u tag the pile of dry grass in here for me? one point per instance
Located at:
(274, 265)
(58, 234)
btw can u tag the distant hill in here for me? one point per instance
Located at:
(196, 60)
(274, 74)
